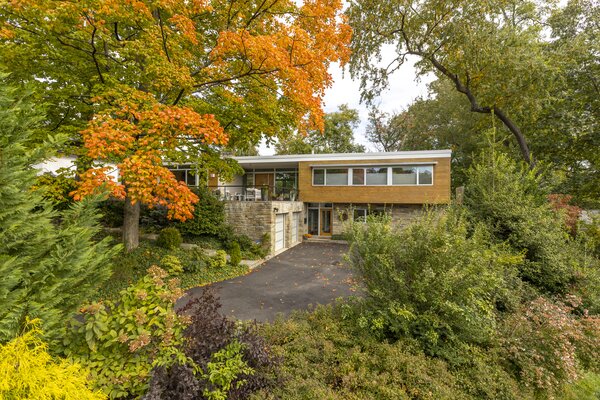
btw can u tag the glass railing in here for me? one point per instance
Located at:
(254, 193)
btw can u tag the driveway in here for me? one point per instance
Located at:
(307, 274)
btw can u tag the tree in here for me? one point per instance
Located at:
(258, 69)
(49, 262)
(337, 137)
(436, 122)
(494, 53)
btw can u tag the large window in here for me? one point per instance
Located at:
(404, 176)
(336, 177)
(397, 175)
(185, 173)
(377, 176)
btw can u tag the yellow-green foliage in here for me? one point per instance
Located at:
(27, 371)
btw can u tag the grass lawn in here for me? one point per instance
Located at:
(129, 267)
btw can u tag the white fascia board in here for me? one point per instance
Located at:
(398, 155)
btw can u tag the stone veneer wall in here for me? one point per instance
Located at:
(402, 214)
(255, 218)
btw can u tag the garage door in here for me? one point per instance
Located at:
(295, 226)
(279, 231)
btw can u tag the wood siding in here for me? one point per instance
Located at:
(438, 193)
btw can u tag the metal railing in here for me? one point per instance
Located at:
(254, 193)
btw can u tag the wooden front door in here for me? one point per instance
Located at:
(325, 222)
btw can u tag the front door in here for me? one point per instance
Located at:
(313, 221)
(325, 222)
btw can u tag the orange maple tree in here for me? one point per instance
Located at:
(141, 78)
(137, 131)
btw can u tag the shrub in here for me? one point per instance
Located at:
(542, 341)
(218, 261)
(208, 334)
(209, 216)
(223, 370)
(56, 189)
(560, 203)
(235, 254)
(433, 280)
(171, 264)
(50, 261)
(169, 238)
(121, 341)
(507, 198)
(27, 371)
(197, 260)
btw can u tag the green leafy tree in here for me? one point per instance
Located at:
(436, 122)
(49, 260)
(337, 137)
(495, 53)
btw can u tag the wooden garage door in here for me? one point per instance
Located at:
(279, 231)
(295, 226)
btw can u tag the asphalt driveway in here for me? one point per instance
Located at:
(308, 274)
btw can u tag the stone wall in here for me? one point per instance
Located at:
(402, 215)
(255, 218)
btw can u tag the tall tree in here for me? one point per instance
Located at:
(257, 68)
(495, 53)
(49, 262)
(439, 121)
(337, 137)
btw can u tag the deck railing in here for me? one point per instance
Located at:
(254, 193)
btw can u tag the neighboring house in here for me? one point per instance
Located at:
(290, 195)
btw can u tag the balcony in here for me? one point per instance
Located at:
(254, 193)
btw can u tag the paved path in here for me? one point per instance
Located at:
(305, 275)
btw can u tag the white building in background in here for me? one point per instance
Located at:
(56, 165)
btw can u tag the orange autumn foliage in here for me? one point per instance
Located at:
(135, 132)
(148, 75)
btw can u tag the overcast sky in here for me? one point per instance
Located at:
(403, 89)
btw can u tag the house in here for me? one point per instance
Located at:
(284, 197)
(287, 196)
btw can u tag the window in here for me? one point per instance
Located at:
(190, 178)
(360, 215)
(318, 177)
(336, 177)
(404, 176)
(377, 176)
(358, 176)
(374, 176)
(426, 175)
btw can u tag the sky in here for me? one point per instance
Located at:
(402, 90)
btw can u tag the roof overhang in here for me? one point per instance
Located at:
(292, 160)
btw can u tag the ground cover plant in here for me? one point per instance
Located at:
(129, 267)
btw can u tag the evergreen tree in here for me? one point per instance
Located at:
(49, 262)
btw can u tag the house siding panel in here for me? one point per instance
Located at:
(438, 193)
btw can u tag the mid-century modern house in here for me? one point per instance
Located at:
(290, 195)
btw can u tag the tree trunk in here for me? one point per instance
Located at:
(131, 225)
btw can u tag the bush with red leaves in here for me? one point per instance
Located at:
(560, 202)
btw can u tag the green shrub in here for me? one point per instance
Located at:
(218, 261)
(197, 260)
(507, 197)
(223, 370)
(434, 280)
(209, 216)
(57, 188)
(28, 371)
(121, 341)
(169, 238)
(171, 264)
(235, 254)
(327, 356)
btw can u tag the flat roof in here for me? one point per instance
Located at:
(392, 155)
